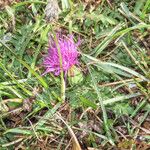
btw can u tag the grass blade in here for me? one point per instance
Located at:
(105, 119)
(26, 65)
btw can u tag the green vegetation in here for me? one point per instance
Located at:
(107, 99)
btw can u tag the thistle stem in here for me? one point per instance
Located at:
(63, 87)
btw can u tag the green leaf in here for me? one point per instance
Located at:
(88, 103)
(19, 131)
(75, 75)
(65, 4)
(106, 41)
(120, 98)
(122, 109)
(26, 65)
(13, 79)
(128, 70)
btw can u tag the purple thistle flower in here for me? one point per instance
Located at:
(69, 54)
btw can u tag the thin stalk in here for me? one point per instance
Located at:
(133, 58)
(139, 107)
(119, 82)
(34, 59)
(63, 87)
(105, 119)
(29, 2)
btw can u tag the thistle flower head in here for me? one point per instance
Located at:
(69, 54)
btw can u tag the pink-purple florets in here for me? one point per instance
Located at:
(69, 54)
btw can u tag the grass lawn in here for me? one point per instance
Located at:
(74, 75)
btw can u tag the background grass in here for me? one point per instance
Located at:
(107, 101)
